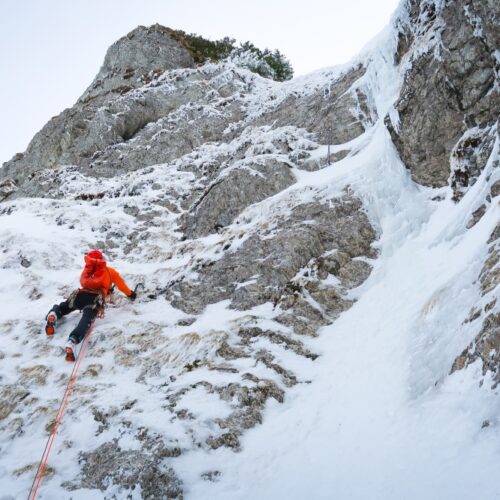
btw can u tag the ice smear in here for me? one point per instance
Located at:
(381, 418)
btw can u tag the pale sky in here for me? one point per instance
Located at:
(50, 50)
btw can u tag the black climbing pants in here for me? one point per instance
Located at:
(85, 302)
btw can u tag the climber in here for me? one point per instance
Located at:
(96, 280)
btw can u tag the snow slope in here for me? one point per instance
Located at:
(376, 416)
(382, 418)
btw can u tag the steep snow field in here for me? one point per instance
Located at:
(376, 416)
(382, 419)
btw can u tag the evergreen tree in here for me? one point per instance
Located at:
(266, 63)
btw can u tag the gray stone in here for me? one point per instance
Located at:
(248, 335)
(109, 465)
(154, 124)
(136, 58)
(490, 274)
(442, 97)
(275, 260)
(486, 346)
(469, 157)
(212, 475)
(354, 273)
(333, 262)
(335, 115)
(7, 187)
(233, 191)
(228, 439)
(331, 301)
(476, 216)
(495, 189)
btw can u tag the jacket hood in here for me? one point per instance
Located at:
(94, 262)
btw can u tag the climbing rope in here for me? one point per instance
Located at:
(62, 408)
(48, 447)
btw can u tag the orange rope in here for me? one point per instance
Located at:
(60, 413)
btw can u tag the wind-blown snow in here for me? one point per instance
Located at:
(377, 415)
(383, 419)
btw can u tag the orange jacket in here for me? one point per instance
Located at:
(117, 280)
(100, 278)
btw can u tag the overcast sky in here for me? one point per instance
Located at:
(51, 50)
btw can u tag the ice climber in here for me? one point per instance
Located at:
(97, 279)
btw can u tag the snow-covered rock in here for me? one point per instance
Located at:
(449, 51)
(329, 329)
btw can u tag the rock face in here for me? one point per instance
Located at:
(486, 347)
(448, 88)
(213, 184)
(136, 58)
(234, 190)
(101, 118)
(258, 270)
(203, 163)
(143, 109)
(336, 115)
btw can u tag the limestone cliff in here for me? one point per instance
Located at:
(339, 230)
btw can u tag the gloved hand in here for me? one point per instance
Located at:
(132, 296)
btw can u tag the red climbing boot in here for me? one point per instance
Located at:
(50, 327)
(70, 351)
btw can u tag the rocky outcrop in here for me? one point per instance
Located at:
(144, 109)
(129, 469)
(150, 112)
(490, 273)
(486, 347)
(235, 189)
(258, 269)
(7, 187)
(469, 157)
(136, 59)
(112, 138)
(102, 117)
(335, 115)
(450, 85)
(201, 177)
(486, 344)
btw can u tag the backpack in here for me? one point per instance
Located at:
(95, 276)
